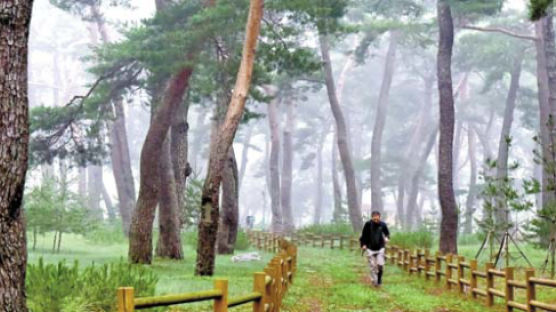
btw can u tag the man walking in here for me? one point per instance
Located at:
(373, 239)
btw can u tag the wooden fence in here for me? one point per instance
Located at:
(452, 270)
(269, 288)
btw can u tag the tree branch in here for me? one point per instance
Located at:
(502, 31)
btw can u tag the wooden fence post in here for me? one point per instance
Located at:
(509, 289)
(427, 264)
(448, 270)
(406, 261)
(489, 284)
(259, 285)
(438, 266)
(531, 292)
(473, 277)
(125, 299)
(341, 241)
(461, 260)
(221, 304)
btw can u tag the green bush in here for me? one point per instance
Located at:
(109, 233)
(59, 287)
(242, 242)
(331, 228)
(417, 239)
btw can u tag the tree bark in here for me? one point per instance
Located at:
(95, 190)
(169, 239)
(380, 123)
(140, 242)
(179, 150)
(287, 167)
(108, 203)
(472, 192)
(245, 154)
(502, 216)
(277, 222)
(336, 188)
(208, 225)
(15, 17)
(449, 223)
(227, 229)
(343, 146)
(318, 186)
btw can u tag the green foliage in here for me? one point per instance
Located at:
(59, 287)
(106, 233)
(190, 238)
(331, 228)
(421, 238)
(191, 209)
(538, 8)
(242, 241)
(470, 239)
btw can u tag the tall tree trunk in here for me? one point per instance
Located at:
(287, 167)
(502, 215)
(82, 182)
(418, 136)
(245, 154)
(208, 225)
(472, 192)
(380, 122)
(140, 242)
(343, 145)
(119, 147)
(108, 203)
(95, 190)
(277, 223)
(227, 229)
(15, 18)
(412, 207)
(179, 151)
(449, 223)
(544, 94)
(318, 186)
(336, 189)
(169, 240)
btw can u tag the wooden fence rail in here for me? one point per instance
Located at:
(452, 270)
(269, 287)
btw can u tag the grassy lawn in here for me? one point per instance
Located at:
(327, 280)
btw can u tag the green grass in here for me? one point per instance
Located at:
(327, 280)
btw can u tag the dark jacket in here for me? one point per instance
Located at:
(373, 235)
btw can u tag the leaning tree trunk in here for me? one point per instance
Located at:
(15, 18)
(343, 145)
(472, 192)
(169, 239)
(227, 229)
(180, 163)
(287, 167)
(502, 215)
(380, 122)
(119, 147)
(140, 235)
(208, 225)
(337, 213)
(274, 171)
(449, 223)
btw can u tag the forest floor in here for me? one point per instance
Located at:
(327, 280)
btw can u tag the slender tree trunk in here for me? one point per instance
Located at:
(119, 147)
(318, 187)
(337, 214)
(82, 182)
(277, 223)
(245, 154)
(418, 136)
(412, 207)
(140, 242)
(472, 192)
(380, 123)
(95, 191)
(59, 242)
(108, 203)
(343, 146)
(502, 216)
(449, 223)
(179, 151)
(169, 240)
(208, 225)
(287, 167)
(227, 229)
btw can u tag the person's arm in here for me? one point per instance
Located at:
(363, 235)
(386, 232)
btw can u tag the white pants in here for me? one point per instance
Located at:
(377, 256)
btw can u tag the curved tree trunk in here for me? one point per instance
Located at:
(227, 229)
(380, 122)
(14, 140)
(287, 164)
(449, 223)
(208, 225)
(343, 145)
(140, 240)
(502, 215)
(277, 221)
(472, 192)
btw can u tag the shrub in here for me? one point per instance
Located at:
(417, 239)
(59, 287)
(242, 242)
(109, 233)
